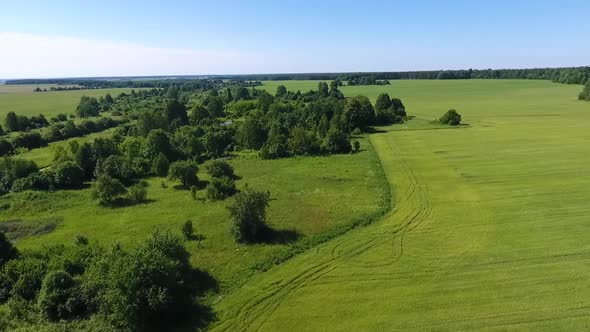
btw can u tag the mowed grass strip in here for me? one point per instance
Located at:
(489, 228)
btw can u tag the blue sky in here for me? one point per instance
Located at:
(92, 38)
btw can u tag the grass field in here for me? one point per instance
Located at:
(23, 101)
(489, 227)
(310, 196)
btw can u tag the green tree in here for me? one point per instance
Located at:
(383, 102)
(220, 188)
(106, 189)
(251, 134)
(161, 165)
(323, 89)
(336, 142)
(158, 141)
(248, 213)
(175, 110)
(11, 122)
(451, 117)
(199, 115)
(360, 112)
(68, 174)
(184, 171)
(281, 91)
(265, 99)
(87, 107)
(220, 168)
(59, 297)
(242, 93)
(7, 250)
(84, 157)
(137, 193)
(303, 142)
(215, 107)
(187, 229)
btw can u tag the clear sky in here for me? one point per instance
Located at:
(63, 38)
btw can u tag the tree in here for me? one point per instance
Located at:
(383, 102)
(220, 188)
(359, 112)
(265, 99)
(115, 166)
(59, 297)
(84, 157)
(7, 250)
(11, 122)
(184, 171)
(108, 99)
(303, 142)
(323, 89)
(6, 147)
(242, 93)
(217, 141)
(199, 115)
(187, 229)
(281, 91)
(451, 117)
(336, 142)
(106, 189)
(158, 141)
(251, 134)
(1, 131)
(175, 110)
(161, 165)
(137, 193)
(220, 168)
(68, 174)
(357, 146)
(585, 94)
(87, 107)
(215, 107)
(248, 213)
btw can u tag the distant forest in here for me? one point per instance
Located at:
(573, 75)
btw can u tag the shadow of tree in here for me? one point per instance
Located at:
(279, 236)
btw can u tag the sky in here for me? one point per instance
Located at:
(63, 38)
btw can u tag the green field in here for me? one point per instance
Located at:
(489, 227)
(23, 101)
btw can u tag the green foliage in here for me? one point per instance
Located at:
(251, 134)
(220, 168)
(31, 140)
(6, 147)
(161, 165)
(451, 117)
(217, 141)
(357, 146)
(59, 297)
(187, 229)
(115, 166)
(184, 171)
(106, 189)
(585, 94)
(7, 250)
(69, 175)
(281, 91)
(137, 193)
(87, 107)
(158, 141)
(11, 122)
(359, 111)
(303, 142)
(336, 142)
(248, 213)
(221, 188)
(215, 107)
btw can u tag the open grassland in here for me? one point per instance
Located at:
(310, 197)
(489, 226)
(26, 102)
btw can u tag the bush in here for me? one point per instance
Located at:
(21, 278)
(220, 168)
(116, 167)
(7, 250)
(137, 193)
(303, 142)
(58, 298)
(451, 117)
(248, 213)
(161, 165)
(106, 189)
(44, 180)
(187, 229)
(221, 188)
(69, 175)
(184, 171)
(29, 141)
(336, 142)
(357, 146)
(6, 147)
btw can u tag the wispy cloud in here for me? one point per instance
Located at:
(27, 55)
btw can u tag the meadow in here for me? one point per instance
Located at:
(488, 227)
(311, 196)
(23, 101)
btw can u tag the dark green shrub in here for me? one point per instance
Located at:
(68, 175)
(184, 171)
(161, 165)
(221, 188)
(137, 193)
(248, 213)
(220, 168)
(451, 117)
(106, 189)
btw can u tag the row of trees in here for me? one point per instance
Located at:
(148, 288)
(14, 122)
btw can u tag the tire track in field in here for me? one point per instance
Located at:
(413, 209)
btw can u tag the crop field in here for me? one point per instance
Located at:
(488, 228)
(23, 101)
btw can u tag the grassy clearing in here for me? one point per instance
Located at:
(310, 196)
(47, 103)
(488, 231)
